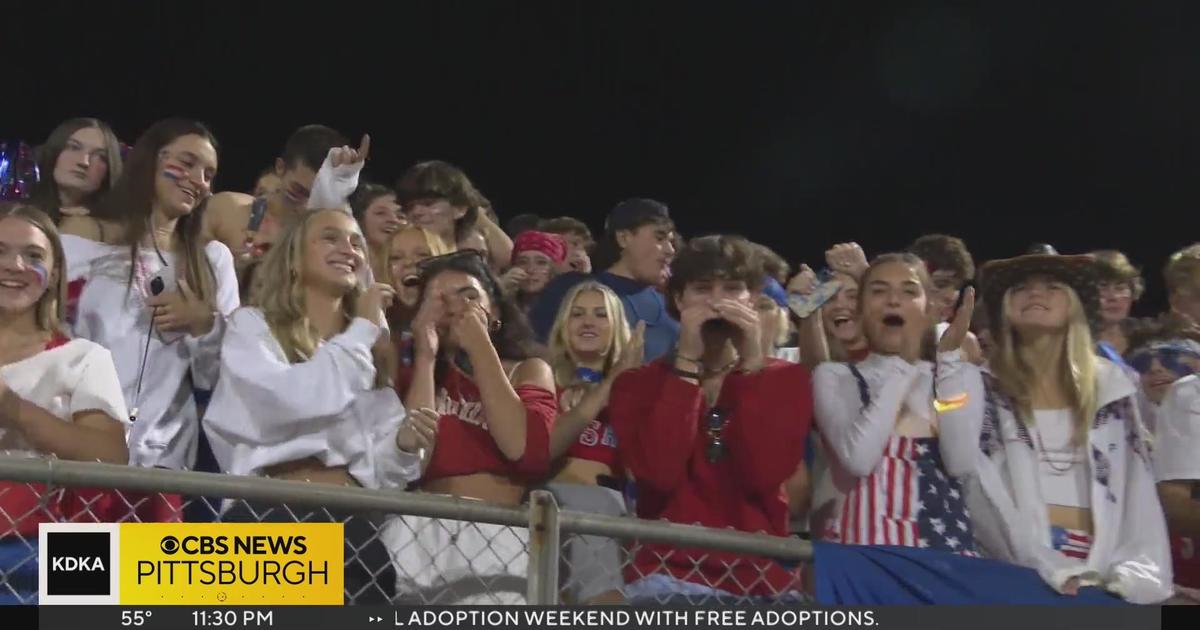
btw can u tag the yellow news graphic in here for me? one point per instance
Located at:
(234, 564)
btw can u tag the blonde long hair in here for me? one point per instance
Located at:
(279, 294)
(1078, 368)
(49, 312)
(562, 358)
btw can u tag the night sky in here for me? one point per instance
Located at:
(796, 123)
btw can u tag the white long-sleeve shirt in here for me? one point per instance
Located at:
(1177, 432)
(114, 314)
(855, 434)
(267, 411)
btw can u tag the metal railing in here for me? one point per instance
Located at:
(442, 549)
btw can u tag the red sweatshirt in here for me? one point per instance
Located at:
(662, 436)
(464, 445)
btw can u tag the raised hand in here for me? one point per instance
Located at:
(691, 343)
(374, 301)
(470, 329)
(181, 310)
(344, 155)
(804, 282)
(746, 319)
(847, 258)
(424, 326)
(512, 279)
(954, 336)
(634, 354)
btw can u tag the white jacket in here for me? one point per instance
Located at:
(1130, 554)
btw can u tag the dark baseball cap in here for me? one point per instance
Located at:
(634, 213)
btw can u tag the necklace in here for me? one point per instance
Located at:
(1046, 455)
(707, 372)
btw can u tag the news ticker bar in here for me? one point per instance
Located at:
(523, 617)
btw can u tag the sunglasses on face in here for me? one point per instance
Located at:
(714, 422)
(1172, 357)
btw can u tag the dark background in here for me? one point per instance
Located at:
(795, 123)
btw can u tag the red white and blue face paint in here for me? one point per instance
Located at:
(39, 270)
(175, 173)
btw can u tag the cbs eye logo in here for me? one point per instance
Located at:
(169, 545)
(194, 545)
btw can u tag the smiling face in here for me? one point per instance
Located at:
(83, 163)
(840, 314)
(589, 328)
(26, 265)
(381, 220)
(1038, 304)
(187, 167)
(409, 248)
(894, 307)
(334, 253)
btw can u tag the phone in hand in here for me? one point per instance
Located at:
(804, 306)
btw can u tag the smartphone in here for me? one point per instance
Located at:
(805, 305)
(258, 212)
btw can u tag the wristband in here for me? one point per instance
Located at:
(686, 374)
(688, 359)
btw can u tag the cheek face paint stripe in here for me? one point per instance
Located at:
(174, 173)
(42, 274)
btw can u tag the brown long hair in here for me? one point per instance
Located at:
(442, 180)
(45, 194)
(131, 203)
(51, 307)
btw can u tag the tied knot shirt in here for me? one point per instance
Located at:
(464, 444)
(65, 379)
(267, 411)
(111, 311)
(662, 431)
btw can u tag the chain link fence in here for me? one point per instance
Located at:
(416, 548)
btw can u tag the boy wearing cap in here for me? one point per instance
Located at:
(635, 255)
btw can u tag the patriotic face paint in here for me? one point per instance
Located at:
(174, 172)
(40, 271)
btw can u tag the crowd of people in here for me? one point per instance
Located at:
(1008, 423)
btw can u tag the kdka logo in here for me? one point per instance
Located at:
(78, 563)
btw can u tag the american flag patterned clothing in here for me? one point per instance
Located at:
(1072, 543)
(908, 500)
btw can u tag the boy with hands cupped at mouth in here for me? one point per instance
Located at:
(712, 431)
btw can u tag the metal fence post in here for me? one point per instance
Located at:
(543, 549)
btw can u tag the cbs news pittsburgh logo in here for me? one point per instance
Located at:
(236, 564)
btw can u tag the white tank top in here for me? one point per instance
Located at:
(1062, 466)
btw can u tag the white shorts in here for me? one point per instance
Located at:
(446, 562)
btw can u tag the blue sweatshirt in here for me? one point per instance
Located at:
(643, 303)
